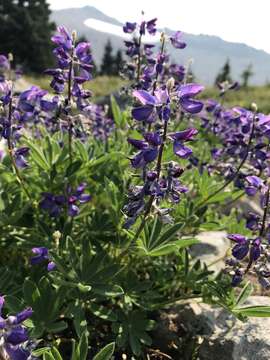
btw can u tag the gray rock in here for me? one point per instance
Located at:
(232, 339)
(212, 249)
(216, 334)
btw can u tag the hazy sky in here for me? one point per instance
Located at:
(245, 21)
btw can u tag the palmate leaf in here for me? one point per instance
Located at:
(155, 243)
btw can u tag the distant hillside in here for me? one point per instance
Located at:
(208, 52)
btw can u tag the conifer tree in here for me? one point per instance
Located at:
(25, 30)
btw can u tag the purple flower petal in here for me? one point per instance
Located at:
(254, 181)
(180, 150)
(138, 144)
(129, 27)
(17, 335)
(184, 135)
(176, 40)
(240, 239)
(142, 113)
(190, 105)
(190, 90)
(240, 251)
(144, 97)
(150, 155)
(23, 315)
(51, 266)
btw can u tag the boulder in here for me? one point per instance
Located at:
(212, 249)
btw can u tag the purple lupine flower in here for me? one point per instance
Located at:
(42, 255)
(19, 155)
(63, 38)
(14, 335)
(52, 203)
(56, 204)
(177, 71)
(5, 92)
(66, 53)
(152, 105)
(179, 138)
(255, 250)
(176, 40)
(148, 149)
(186, 94)
(252, 222)
(151, 26)
(254, 184)
(237, 278)
(241, 249)
(129, 27)
(101, 126)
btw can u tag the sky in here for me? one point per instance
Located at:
(245, 21)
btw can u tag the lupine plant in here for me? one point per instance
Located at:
(100, 206)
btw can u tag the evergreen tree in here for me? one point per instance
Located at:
(246, 75)
(118, 62)
(25, 31)
(225, 73)
(107, 64)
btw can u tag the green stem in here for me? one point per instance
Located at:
(139, 60)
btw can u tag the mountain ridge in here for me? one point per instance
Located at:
(208, 51)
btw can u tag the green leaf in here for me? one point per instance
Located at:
(163, 250)
(108, 290)
(245, 293)
(38, 156)
(254, 311)
(183, 243)
(106, 353)
(117, 115)
(56, 354)
(103, 312)
(170, 233)
(48, 356)
(84, 288)
(31, 292)
(73, 168)
(57, 327)
(82, 151)
(41, 351)
(83, 346)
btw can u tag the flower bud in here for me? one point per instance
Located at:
(254, 107)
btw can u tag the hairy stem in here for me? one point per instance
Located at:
(265, 210)
(139, 60)
(158, 170)
(68, 103)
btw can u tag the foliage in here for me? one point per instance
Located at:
(96, 239)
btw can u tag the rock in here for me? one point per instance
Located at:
(212, 249)
(232, 339)
(216, 334)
